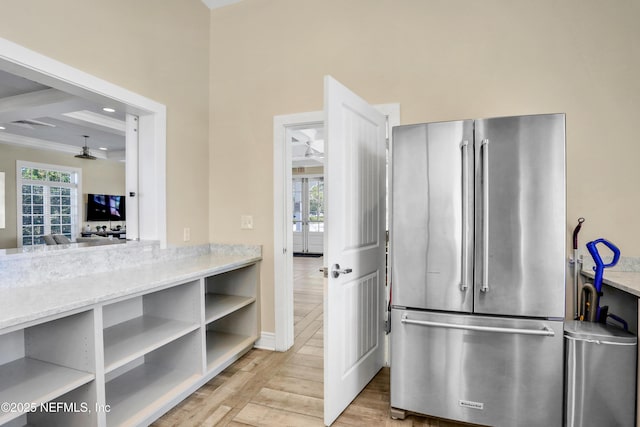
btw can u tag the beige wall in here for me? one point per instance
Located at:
(441, 60)
(98, 176)
(157, 49)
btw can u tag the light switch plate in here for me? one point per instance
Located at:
(246, 222)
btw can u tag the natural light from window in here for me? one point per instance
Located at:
(47, 201)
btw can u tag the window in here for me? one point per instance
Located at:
(47, 201)
(308, 214)
(308, 204)
(316, 204)
(297, 205)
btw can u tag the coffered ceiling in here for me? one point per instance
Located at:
(37, 116)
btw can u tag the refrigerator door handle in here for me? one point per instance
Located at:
(484, 286)
(545, 331)
(464, 152)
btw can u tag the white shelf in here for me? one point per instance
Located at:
(150, 344)
(221, 346)
(137, 394)
(219, 305)
(129, 340)
(32, 381)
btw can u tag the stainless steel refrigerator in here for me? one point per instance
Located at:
(477, 247)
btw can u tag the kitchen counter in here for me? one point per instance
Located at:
(627, 281)
(136, 332)
(621, 292)
(25, 304)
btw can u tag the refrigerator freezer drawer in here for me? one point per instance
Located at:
(484, 370)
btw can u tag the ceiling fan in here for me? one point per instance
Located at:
(85, 154)
(312, 152)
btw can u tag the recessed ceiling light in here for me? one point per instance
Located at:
(102, 148)
(109, 110)
(2, 128)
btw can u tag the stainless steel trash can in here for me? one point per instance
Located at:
(600, 375)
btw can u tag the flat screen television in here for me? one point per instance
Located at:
(116, 208)
(105, 207)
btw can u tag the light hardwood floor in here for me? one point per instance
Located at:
(266, 388)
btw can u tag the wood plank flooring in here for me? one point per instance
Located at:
(266, 388)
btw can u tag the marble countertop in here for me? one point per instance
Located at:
(627, 281)
(31, 303)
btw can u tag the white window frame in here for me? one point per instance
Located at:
(306, 205)
(76, 217)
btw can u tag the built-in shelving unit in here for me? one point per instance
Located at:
(147, 352)
(150, 382)
(230, 314)
(139, 325)
(43, 363)
(126, 362)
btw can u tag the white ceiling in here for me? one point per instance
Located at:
(38, 116)
(214, 4)
(307, 147)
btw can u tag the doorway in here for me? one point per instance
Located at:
(285, 128)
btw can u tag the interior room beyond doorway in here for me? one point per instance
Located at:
(307, 162)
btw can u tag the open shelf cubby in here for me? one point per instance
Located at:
(138, 389)
(230, 335)
(230, 291)
(45, 362)
(231, 315)
(77, 408)
(139, 325)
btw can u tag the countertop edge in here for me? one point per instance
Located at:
(112, 295)
(627, 281)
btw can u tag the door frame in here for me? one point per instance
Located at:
(282, 211)
(152, 127)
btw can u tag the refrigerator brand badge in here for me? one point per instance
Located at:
(472, 405)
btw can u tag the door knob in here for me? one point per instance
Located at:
(336, 271)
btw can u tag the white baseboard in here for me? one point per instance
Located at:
(267, 341)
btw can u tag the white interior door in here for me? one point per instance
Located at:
(354, 246)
